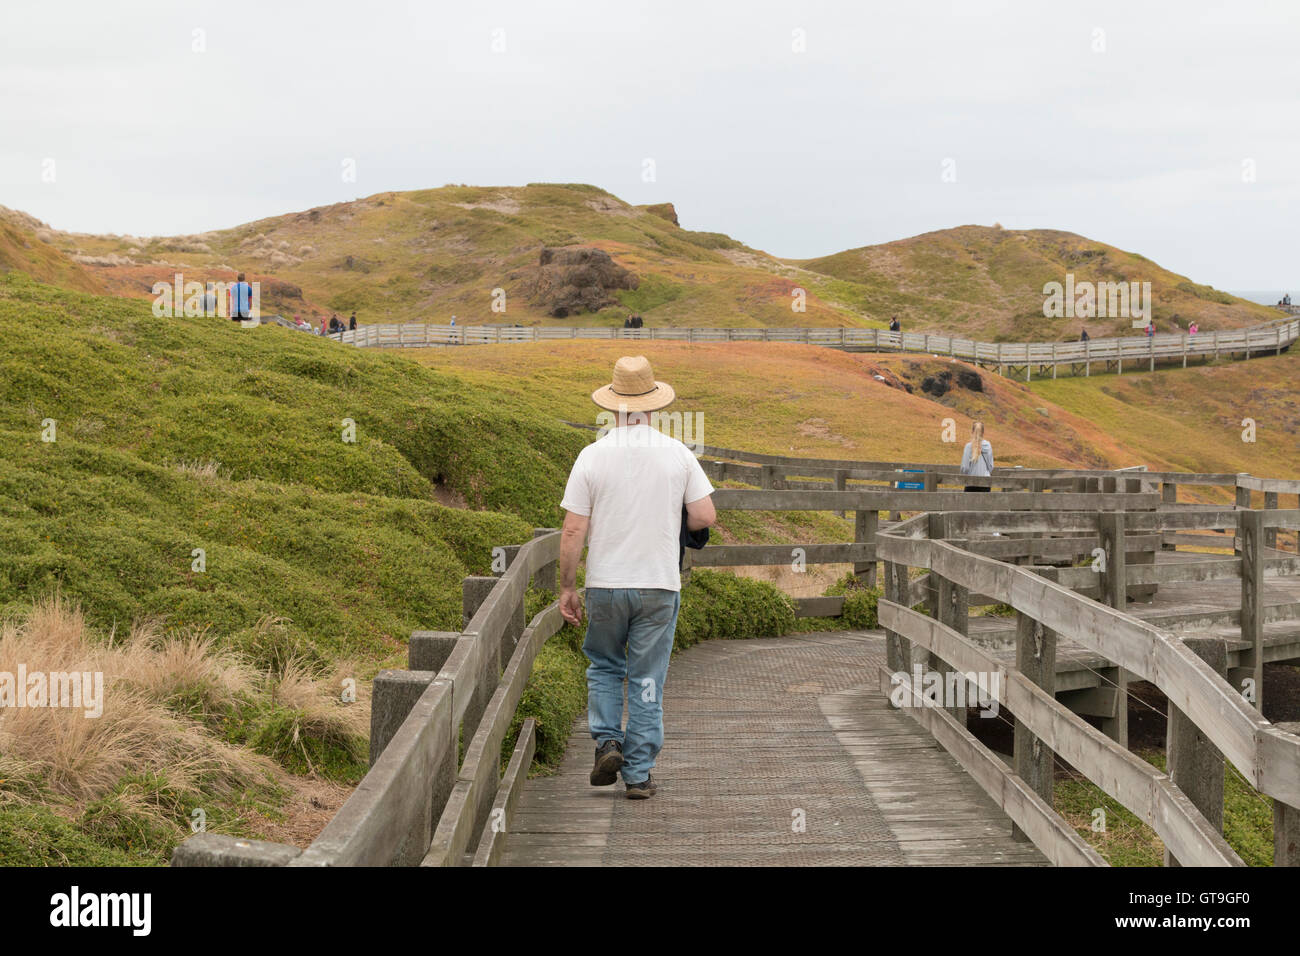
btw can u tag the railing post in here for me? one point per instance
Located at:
(1168, 496)
(1286, 822)
(429, 650)
(841, 484)
(1142, 557)
(546, 577)
(392, 695)
(1243, 502)
(1036, 659)
(1114, 592)
(948, 608)
(1270, 534)
(898, 649)
(474, 591)
(1196, 765)
(1251, 660)
(767, 476)
(865, 525)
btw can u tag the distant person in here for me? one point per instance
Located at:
(1286, 299)
(453, 321)
(1151, 329)
(1084, 336)
(894, 324)
(241, 300)
(1193, 328)
(322, 325)
(334, 324)
(627, 323)
(977, 458)
(352, 323)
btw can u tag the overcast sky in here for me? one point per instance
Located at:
(1166, 128)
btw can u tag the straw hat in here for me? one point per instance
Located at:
(634, 388)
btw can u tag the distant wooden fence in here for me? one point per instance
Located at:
(421, 804)
(1113, 353)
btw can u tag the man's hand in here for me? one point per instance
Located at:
(571, 606)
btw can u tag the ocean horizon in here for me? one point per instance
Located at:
(1264, 296)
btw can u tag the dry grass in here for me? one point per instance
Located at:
(63, 752)
(316, 716)
(184, 724)
(206, 470)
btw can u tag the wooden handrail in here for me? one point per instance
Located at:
(1128, 778)
(1235, 727)
(1268, 336)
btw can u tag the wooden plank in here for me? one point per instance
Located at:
(491, 843)
(1052, 835)
(477, 780)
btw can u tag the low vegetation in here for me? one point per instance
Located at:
(1124, 840)
(180, 735)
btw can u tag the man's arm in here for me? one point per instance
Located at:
(701, 514)
(572, 537)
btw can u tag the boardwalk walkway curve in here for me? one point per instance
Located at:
(1071, 358)
(791, 750)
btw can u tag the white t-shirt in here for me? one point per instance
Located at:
(632, 484)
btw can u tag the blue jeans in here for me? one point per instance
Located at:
(629, 636)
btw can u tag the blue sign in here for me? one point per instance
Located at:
(911, 485)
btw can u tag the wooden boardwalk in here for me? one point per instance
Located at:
(777, 752)
(1187, 609)
(1130, 352)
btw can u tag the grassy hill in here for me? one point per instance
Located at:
(426, 255)
(808, 401)
(199, 504)
(987, 282)
(27, 245)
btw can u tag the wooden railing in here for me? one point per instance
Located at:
(1184, 807)
(1113, 352)
(420, 804)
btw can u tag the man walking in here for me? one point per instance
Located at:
(625, 496)
(241, 300)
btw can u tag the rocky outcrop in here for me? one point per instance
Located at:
(575, 279)
(664, 210)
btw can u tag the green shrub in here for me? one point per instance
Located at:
(717, 605)
(302, 743)
(144, 815)
(555, 695)
(36, 836)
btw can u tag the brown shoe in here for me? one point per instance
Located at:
(643, 790)
(609, 760)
